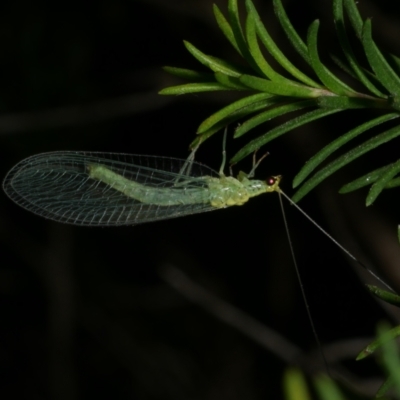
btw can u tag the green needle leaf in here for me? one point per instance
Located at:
(323, 154)
(291, 33)
(280, 130)
(213, 63)
(238, 109)
(327, 78)
(364, 180)
(383, 180)
(193, 88)
(189, 74)
(239, 36)
(380, 66)
(349, 102)
(204, 136)
(394, 62)
(237, 31)
(275, 51)
(354, 17)
(388, 384)
(256, 53)
(384, 295)
(342, 65)
(218, 122)
(284, 89)
(345, 159)
(348, 51)
(376, 344)
(229, 81)
(390, 356)
(393, 183)
(225, 27)
(270, 114)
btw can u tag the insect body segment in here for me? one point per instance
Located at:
(229, 191)
(179, 194)
(220, 192)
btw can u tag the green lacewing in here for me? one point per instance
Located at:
(109, 189)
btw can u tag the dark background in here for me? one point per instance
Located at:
(91, 313)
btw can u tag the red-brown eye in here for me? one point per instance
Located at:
(271, 181)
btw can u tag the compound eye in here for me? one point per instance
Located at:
(271, 181)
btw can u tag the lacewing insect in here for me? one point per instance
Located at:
(108, 189)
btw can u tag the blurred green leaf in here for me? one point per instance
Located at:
(388, 297)
(387, 385)
(390, 352)
(327, 389)
(295, 386)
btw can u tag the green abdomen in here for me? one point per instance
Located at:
(166, 196)
(218, 192)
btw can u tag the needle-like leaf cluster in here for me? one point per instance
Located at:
(268, 94)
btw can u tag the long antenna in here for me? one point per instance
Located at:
(299, 279)
(341, 247)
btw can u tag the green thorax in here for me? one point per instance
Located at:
(228, 191)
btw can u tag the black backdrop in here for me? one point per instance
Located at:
(87, 312)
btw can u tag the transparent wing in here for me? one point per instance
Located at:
(57, 186)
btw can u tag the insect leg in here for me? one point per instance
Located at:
(221, 170)
(256, 163)
(187, 166)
